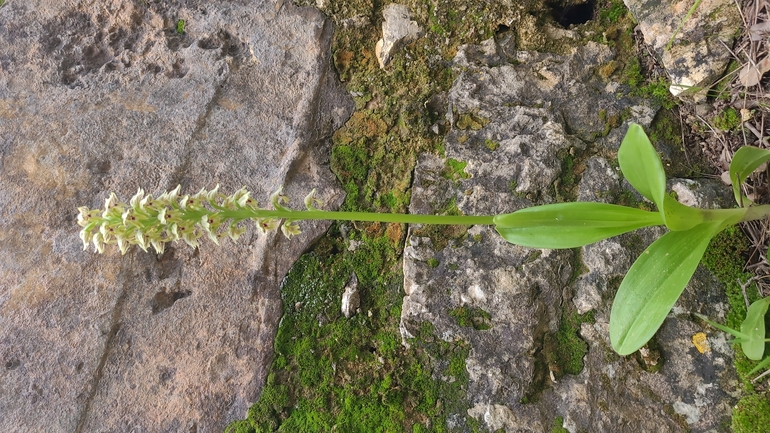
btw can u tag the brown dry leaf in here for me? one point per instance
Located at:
(725, 158)
(750, 75)
(726, 178)
(759, 31)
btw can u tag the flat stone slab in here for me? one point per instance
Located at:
(118, 96)
(524, 128)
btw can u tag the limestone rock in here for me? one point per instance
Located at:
(351, 300)
(98, 97)
(701, 50)
(514, 124)
(398, 29)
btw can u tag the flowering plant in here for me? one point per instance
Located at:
(648, 292)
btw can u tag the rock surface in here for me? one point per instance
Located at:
(397, 29)
(351, 299)
(523, 141)
(109, 96)
(700, 50)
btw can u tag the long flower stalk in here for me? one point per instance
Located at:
(153, 222)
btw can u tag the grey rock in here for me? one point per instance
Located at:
(99, 97)
(701, 50)
(351, 300)
(600, 181)
(512, 125)
(398, 29)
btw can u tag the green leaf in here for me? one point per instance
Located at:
(678, 216)
(754, 327)
(654, 283)
(569, 225)
(739, 336)
(641, 165)
(745, 161)
(765, 362)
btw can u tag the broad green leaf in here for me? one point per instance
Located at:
(654, 283)
(641, 165)
(754, 327)
(745, 161)
(678, 216)
(569, 225)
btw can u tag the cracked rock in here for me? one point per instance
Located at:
(398, 29)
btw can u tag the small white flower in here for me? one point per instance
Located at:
(105, 232)
(110, 202)
(158, 245)
(267, 224)
(147, 201)
(213, 193)
(213, 237)
(162, 215)
(277, 198)
(141, 241)
(173, 232)
(86, 236)
(98, 241)
(190, 238)
(122, 244)
(235, 232)
(290, 228)
(172, 195)
(136, 199)
(84, 215)
(311, 201)
(205, 223)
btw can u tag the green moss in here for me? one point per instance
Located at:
(180, 24)
(613, 13)
(433, 262)
(572, 167)
(472, 317)
(656, 89)
(751, 414)
(725, 258)
(455, 170)
(470, 121)
(728, 120)
(564, 350)
(558, 425)
(491, 145)
(354, 373)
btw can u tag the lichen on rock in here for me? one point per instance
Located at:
(552, 142)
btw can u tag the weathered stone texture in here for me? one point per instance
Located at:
(698, 54)
(107, 96)
(530, 133)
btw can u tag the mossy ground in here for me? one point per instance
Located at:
(336, 374)
(725, 258)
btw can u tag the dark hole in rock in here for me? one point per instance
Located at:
(12, 364)
(501, 28)
(163, 300)
(572, 14)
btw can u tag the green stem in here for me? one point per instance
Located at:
(756, 213)
(359, 216)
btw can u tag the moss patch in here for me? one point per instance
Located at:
(725, 258)
(751, 414)
(564, 349)
(728, 120)
(472, 317)
(354, 373)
